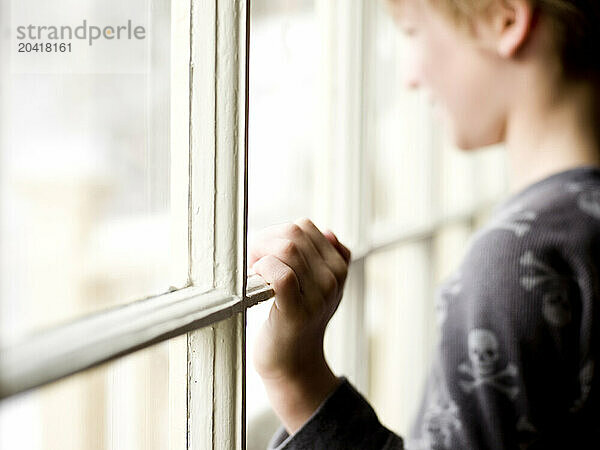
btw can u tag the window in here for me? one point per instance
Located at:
(123, 203)
(359, 154)
(131, 185)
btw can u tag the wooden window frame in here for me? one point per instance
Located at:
(210, 308)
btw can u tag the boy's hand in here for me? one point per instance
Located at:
(307, 270)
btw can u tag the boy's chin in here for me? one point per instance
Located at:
(466, 145)
(463, 138)
(468, 142)
(452, 134)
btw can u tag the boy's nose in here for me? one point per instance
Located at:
(411, 77)
(412, 83)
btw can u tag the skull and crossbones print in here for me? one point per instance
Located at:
(444, 294)
(586, 375)
(484, 356)
(556, 304)
(439, 423)
(527, 433)
(514, 218)
(588, 199)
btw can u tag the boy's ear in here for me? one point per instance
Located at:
(511, 20)
(505, 26)
(514, 23)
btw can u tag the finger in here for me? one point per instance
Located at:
(285, 250)
(341, 248)
(283, 280)
(330, 255)
(275, 230)
(289, 231)
(318, 281)
(323, 246)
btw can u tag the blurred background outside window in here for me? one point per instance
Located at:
(92, 218)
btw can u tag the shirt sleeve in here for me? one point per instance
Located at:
(344, 420)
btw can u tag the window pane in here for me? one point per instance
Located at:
(400, 330)
(284, 128)
(284, 140)
(87, 218)
(135, 403)
(400, 134)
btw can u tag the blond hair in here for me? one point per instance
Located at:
(576, 24)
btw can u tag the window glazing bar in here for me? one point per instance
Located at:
(93, 340)
(386, 238)
(58, 352)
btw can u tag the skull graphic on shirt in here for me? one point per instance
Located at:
(557, 308)
(484, 356)
(444, 295)
(588, 198)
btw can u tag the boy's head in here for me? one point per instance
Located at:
(478, 58)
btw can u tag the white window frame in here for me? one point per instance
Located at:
(211, 307)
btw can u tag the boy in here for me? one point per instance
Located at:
(515, 365)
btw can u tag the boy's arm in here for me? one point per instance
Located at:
(295, 400)
(343, 421)
(307, 270)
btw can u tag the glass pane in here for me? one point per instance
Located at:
(401, 287)
(89, 217)
(400, 133)
(469, 181)
(284, 139)
(135, 403)
(284, 97)
(400, 330)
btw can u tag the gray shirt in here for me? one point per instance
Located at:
(519, 328)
